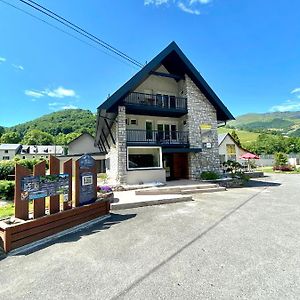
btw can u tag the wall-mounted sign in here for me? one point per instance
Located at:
(205, 126)
(35, 187)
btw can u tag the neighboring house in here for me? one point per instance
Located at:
(162, 123)
(9, 151)
(229, 149)
(85, 144)
(40, 151)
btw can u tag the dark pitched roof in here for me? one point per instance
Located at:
(177, 63)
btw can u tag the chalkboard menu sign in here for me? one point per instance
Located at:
(35, 187)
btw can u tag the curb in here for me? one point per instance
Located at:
(115, 206)
(53, 237)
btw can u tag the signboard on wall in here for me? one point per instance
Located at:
(35, 187)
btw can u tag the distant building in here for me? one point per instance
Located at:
(9, 151)
(229, 149)
(85, 144)
(40, 151)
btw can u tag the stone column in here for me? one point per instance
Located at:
(201, 111)
(121, 144)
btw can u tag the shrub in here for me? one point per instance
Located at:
(104, 189)
(7, 167)
(209, 175)
(281, 159)
(286, 168)
(7, 189)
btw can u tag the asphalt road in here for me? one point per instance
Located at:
(238, 244)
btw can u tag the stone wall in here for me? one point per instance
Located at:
(121, 144)
(201, 111)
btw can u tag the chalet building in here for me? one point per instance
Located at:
(9, 151)
(162, 123)
(229, 149)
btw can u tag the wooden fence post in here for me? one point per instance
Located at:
(67, 169)
(54, 206)
(21, 206)
(77, 184)
(39, 204)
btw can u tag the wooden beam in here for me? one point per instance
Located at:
(54, 206)
(39, 204)
(105, 139)
(110, 133)
(174, 76)
(102, 143)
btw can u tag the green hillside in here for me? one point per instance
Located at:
(64, 121)
(245, 137)
(59, 128)
(286, 123)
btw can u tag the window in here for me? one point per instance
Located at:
(230, 150)
(5, 151)
(107, 164)
(5, 157)
(144, 158)
(24, 156)
(133, 122)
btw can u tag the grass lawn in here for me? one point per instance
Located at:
(7, 211)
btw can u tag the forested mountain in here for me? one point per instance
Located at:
(286, 123)
(56, 128)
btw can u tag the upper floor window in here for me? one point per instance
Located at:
(5, 151)
(133, 122)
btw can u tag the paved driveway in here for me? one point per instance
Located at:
(239, 244)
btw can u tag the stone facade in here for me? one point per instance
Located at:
(201, 111)
(121, 144)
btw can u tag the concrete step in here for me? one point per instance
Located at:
(175, 189)
(200, 191)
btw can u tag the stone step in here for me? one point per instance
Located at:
(175, 189)
(200, 191)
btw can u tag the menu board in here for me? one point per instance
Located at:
(35, 187)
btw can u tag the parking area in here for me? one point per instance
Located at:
(237, 244)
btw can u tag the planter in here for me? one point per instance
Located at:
(105, 196)
(15, 235)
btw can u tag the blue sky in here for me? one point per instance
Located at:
(248, 52)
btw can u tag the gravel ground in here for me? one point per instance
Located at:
(238, 244)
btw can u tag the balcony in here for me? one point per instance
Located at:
(160, 105)
(156, 137)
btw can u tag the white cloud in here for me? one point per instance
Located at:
(56, 104)
(18, 67)
(289, 105)
(59, 92)
(34, 94)
(186, 9)
(187, 6)
(199, 1)
(296, 90)
(2, 59)
(155, 2)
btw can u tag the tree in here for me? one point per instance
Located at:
(281, 159)
(10, 138)
(236, 137)
(38, 137)
(2, 130)
(65, 139)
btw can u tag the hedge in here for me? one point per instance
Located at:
(7, 167)
(7, 188)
